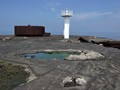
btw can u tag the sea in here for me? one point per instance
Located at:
(110, 35)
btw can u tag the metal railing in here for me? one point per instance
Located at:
(66, 13)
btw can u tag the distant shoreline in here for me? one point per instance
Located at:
(115, 37)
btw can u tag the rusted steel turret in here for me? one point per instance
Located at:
(30, 31)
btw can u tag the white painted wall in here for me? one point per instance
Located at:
(66, 27)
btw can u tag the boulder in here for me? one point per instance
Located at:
(85, 55)
(80, 81)
(69, 82)
(74, 81)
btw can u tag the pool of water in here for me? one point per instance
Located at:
(47, 55)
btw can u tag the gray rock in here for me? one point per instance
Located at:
(85, 55)
(80, 81)
(69, 82)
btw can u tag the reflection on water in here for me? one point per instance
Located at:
(47, 55)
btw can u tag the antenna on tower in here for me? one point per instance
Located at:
(66, 14)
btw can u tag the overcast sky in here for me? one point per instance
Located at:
(89, 15)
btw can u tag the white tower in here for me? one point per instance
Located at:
(66, 14)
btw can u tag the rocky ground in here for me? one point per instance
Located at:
(12, 75)
(100, 74)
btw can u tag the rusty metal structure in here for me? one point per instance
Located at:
(30, 31)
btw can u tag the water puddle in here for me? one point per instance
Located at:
(47, 55)
(60, 55)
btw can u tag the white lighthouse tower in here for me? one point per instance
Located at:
(66, 14)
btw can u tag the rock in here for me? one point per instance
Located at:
(101, 44)
(25, 38)
(5, 38)
(26, 56)
(84, 39)
(0, 39)
(74, 81)
(85, 55)
(69, 82)
(32, 56)
(93, 55)
(1, 66)
(80, 81)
